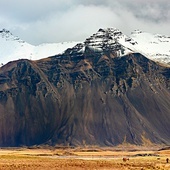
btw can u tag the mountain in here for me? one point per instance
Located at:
(13, 48)
(97, 93)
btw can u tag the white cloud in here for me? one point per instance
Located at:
(76, 24)
(66, 20)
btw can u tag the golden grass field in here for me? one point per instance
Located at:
(140, 158)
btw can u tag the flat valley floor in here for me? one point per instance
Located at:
(93, 158)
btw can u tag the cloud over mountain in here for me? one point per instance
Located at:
(56, 21)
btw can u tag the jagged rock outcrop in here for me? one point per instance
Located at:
(89, 95)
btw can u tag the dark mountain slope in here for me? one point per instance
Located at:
(25, 115)
(111, 99)
(88, 95)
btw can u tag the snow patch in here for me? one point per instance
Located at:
(13, 48)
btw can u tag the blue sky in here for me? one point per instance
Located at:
(44, 21)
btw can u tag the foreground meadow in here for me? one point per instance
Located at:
(83, 158)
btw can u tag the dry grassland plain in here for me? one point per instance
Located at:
(140, 158)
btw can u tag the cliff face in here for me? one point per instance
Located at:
(87, 97)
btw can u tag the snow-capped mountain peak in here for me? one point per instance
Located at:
(13, 48)
(107, 39)
(154, 46)
(8, 36)
(103, 36)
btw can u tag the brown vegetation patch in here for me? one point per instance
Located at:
(82, 158)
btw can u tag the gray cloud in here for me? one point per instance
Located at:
(66, 20)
